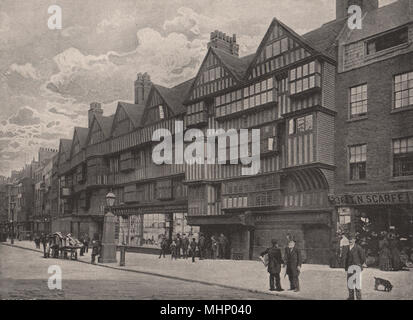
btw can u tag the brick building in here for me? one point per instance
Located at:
(374, 123)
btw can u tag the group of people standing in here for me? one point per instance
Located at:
(214, 247)
(292, 262)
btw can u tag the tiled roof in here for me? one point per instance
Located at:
(134, 111)
(323, 39)
(82, 135)
(383, 19)
(236, 65)
(105, 123)
(66, 144)
(174, 97)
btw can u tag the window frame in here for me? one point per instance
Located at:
(356, 162)
(409, 98)
(350, 102)
(400, 154)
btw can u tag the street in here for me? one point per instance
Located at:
(24, 275)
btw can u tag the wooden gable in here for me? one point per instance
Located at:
(213, 76)
(75, 144)
(122, 123)
(279, 48)
(156, 108)
(95, 133)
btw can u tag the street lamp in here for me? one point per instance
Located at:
(12, 206)
(110, 199)
(108, 237)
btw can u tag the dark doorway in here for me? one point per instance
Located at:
(317, 244)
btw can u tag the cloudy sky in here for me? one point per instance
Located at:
(49, 77)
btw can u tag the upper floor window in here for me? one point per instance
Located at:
(300, 125)
(358, 159)
(358, 101)
(403, 157)
(388, 40)
(403, 90)
(305, 77)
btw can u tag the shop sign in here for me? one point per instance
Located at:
(364, 199)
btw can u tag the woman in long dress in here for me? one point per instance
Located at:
(384, 253)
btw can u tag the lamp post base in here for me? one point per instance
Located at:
(108, 254)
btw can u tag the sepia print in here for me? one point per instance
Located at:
(206, 150)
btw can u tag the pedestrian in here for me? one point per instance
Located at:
(292, 260)
(44, 243)
(164, 247)
(274, 265)
(173, 249)
(178, 246)
(49, 245)
(223, 244)
(201, 246)
(185, 246)
(86, 241)
(95, 248)
(396, 263)
(384, 252)
(354, 259)
(82, 248)
(193, 246)
(214, 248)
(37, 240)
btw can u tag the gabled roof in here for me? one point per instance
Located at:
(66, 144)
(105, 124)
(314, 41)
(175, 96)
(81, 135)
(236, 65)
(383, 19)
(134, 112)
(323, 39)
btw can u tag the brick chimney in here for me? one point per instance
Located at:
(365, 5)
(220, 40)
(143, 85)
(95, 108)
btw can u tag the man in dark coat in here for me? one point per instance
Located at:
(274, 265)
(185, 246)
(164, 247)
(201, 246)
(192, 247)
(293, 262)
(354, 258)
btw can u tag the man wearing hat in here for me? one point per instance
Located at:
(354, 258)
(293, 263)
(274, 265)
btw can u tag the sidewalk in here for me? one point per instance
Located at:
(317, 282)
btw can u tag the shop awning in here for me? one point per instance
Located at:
(239, 219)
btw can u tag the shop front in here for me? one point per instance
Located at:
(372, 216)
(143, 229)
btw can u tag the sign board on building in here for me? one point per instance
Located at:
(365, 199)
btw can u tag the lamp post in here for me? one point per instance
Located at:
(12, 206)
(108, 237)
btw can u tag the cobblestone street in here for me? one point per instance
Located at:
(23, 275)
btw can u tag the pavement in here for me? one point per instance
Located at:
(317, 281)
(24, 275)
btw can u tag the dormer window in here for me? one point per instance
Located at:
(387, 41)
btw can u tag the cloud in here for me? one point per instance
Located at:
(27, 70)
(25, 116)
(117, 20)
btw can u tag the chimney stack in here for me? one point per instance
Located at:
(365, 5)
(220, 40)
(95, 108)
(143, 85)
